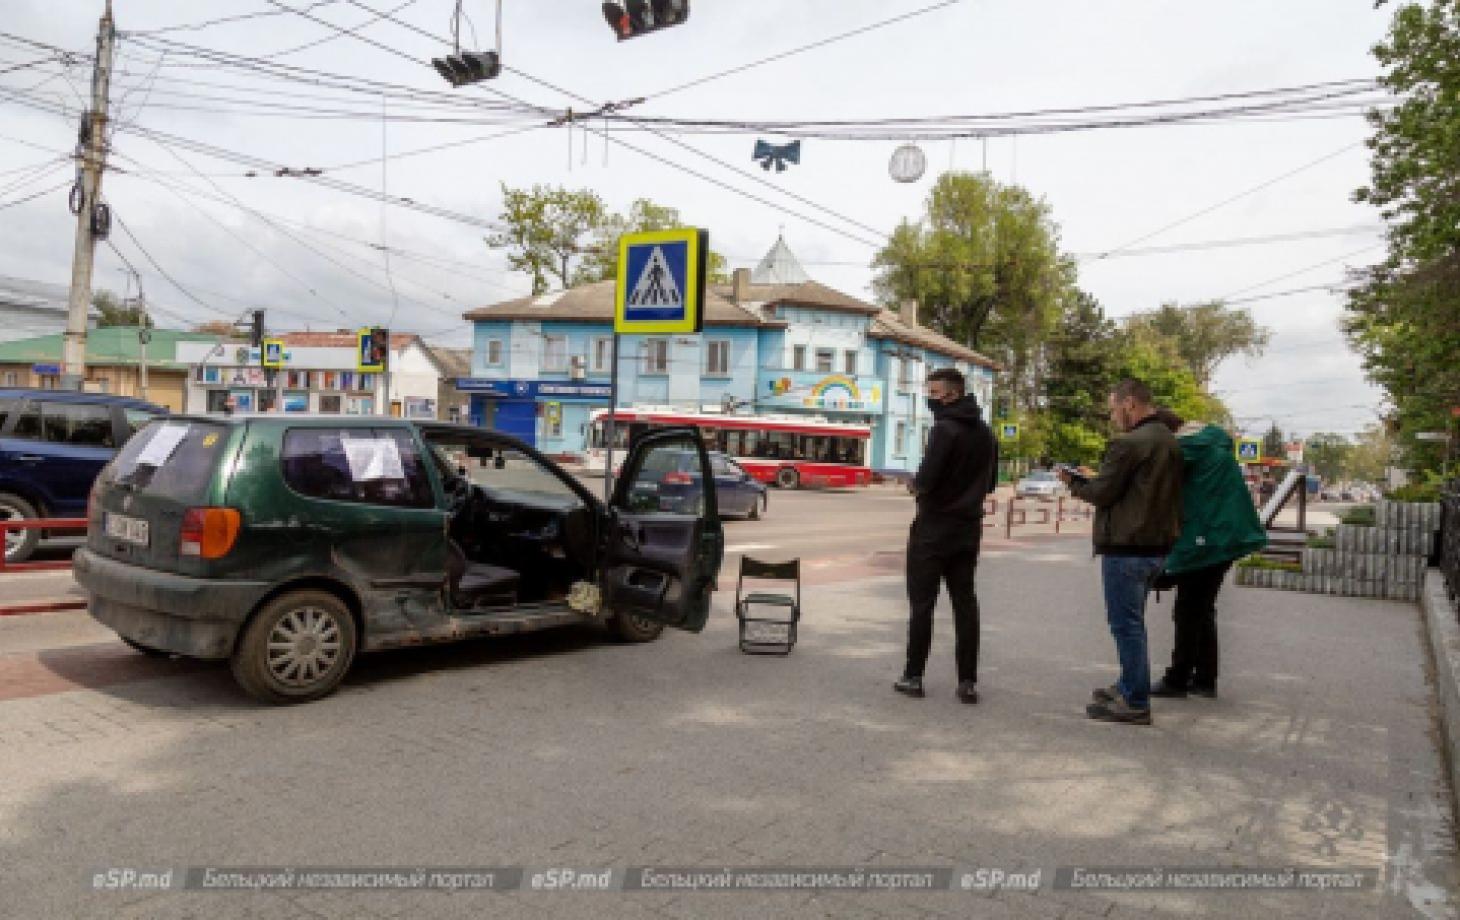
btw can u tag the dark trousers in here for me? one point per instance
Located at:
(1194, 660)
(942, 552)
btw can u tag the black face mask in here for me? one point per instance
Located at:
(935, 404)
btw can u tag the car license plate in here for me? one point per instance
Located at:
(128, 529)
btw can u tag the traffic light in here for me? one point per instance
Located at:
(380, 347)
(633, 18)
(468, 66)
(256, 330)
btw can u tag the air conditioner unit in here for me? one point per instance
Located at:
(578, 367)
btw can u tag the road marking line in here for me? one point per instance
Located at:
(745, 547)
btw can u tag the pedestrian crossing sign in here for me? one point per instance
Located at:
(1008, 431)
(1249, 450)
(661, 282)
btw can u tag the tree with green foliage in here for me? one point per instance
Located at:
(1404, 314)
(1083, 358)
(601, 263)
(1328, 454)
(985, 265)
(1204, 334)
(564, 237)
(546, 229)
(116, 312)
(1372, 455)
(1274, 444)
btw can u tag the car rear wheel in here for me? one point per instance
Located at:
(754, 514)
(633, 628)
(788, 478)
(296, 649)
(19, 544)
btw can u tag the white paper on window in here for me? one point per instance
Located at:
(169, 435)
(373, 458)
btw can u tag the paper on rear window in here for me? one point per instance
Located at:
(175, 459)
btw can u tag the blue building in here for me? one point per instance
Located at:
(774, 341)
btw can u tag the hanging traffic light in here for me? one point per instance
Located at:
(468, 66)
(633, 18)
(256, 329)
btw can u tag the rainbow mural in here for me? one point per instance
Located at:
(836, 391)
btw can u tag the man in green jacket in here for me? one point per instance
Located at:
(1137, 497)
(1218, 526)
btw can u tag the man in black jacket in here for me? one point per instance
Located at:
(958, 470)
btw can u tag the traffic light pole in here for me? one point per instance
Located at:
(93, 162)
(609, 428)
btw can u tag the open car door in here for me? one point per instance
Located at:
(664, 547)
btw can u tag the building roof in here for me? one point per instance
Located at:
(108, 346)
(398, 340)
(888, 325)
(595, 303)
(779, 266)
(454, 362)
(804, 294)
(36, 295)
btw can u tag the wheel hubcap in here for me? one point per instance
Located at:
(304, 646)
(13, 538)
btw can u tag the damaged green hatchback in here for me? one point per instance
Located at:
(288, 544)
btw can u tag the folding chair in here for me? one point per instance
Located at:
(767, 635)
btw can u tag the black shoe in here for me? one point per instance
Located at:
(912, 686)
(1118, 711)
(967, 691)
(1207, 691)
(1167, 690)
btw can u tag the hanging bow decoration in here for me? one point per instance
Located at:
(769, 154)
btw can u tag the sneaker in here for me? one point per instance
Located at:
(1118, 710)
(967, 691)
(1167, 690)
(912, 686)
(1208, 691)
(1106, 694)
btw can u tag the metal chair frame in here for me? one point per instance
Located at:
(745, 604)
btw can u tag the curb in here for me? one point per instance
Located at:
(1442, 627)
(27, 608)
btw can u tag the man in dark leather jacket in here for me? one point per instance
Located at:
(958, 470)
(1137, 497)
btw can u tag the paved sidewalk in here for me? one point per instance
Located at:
(565, 750)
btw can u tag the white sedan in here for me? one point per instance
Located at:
(1041, 484)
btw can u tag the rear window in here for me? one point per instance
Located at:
(671, 461)
(172, 458)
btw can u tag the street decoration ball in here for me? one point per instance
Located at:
(908, 163)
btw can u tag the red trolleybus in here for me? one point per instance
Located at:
(790, 451)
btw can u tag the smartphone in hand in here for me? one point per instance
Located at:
(1072, 471)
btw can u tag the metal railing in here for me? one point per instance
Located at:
(62, 524)
(1450, 539)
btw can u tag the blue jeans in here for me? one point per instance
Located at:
(1126, 580)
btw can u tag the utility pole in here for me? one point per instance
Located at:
(144, 332)
(88, 191)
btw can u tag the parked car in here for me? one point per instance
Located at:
(288, 544)
(53, 443)
(1041, 484)
(678, 486)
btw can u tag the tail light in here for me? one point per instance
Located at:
(676, 479)
(208, 533)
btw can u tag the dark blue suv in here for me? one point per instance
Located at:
(53, 443)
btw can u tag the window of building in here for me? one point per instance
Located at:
(603, 356)
(851, 363)
(11, 378)
(899, 440)
(798, 358)
(553, 423)
(356, 465)
(717, 358)
(494, 352)
(904, 373)
(554, 353)
(329, 403)
(656, 356)
(824, 359)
